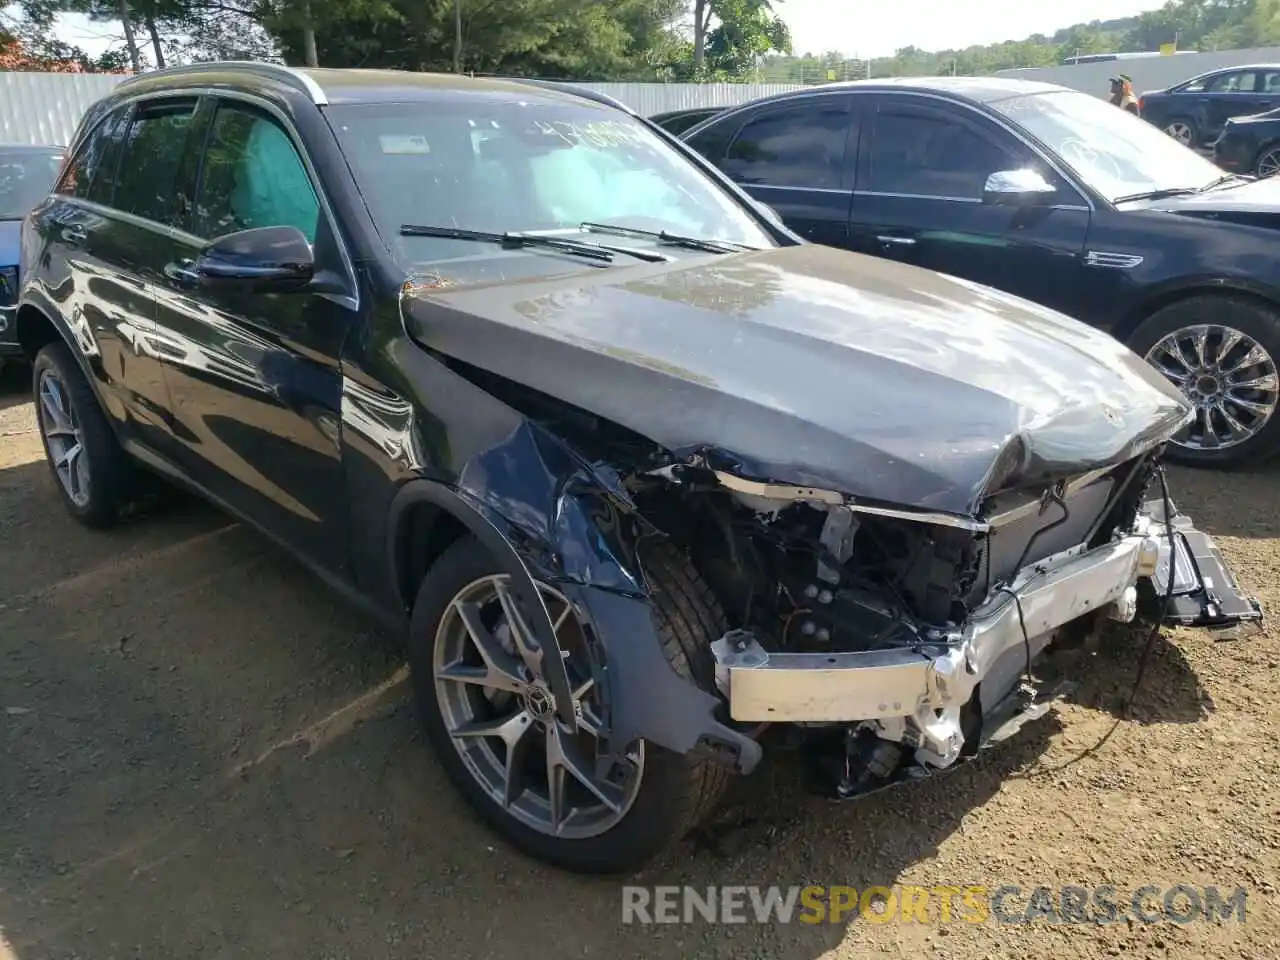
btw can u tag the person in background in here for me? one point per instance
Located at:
(1122, 94)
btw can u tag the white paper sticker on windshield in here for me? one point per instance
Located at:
(408, 144)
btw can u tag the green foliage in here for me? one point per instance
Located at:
(1192, 24)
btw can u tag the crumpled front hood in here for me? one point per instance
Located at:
(813, 366)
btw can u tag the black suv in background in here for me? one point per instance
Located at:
(529, 379)
(1050, 194)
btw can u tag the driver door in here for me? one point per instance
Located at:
(921, 171)
(255, 378)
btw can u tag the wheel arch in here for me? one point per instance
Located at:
(649, 698)
(39, 323)
(1234, 289)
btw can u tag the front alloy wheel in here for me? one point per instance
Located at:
(500, 715)
(1229, 377)
(1268, 163)
(1181, 131)
(578, 800)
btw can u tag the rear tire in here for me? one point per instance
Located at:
(98, 479)
(675, 794)
(1236, 400)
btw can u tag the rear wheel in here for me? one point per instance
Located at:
(1222, 353)
(579, 801)
(94, 476)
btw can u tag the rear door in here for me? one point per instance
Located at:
(1232, 93)
(921, 172)
(111, 209)
(792, 155)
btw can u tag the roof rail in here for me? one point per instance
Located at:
(278, 71)
(576, 90)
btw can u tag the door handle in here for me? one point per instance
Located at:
(74, 233)
(898, 241)
(180, 272)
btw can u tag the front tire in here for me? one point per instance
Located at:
(1221, 351)
(93, 474)
(1184, 131)
(484, 707)
(1268, 162)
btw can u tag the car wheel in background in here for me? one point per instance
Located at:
(1221, 351)
(1268, 162)
(1182, 130)
(93, 474)
(574, 800)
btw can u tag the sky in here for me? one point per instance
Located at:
(862, 30)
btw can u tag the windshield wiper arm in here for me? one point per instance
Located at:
(512, 240)
(1225, 178)
(693, 243)
(1157, 194)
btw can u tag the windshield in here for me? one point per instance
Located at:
(509, 166)
(1113, 151)
(26, 177)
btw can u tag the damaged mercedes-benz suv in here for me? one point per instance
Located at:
(642, 477)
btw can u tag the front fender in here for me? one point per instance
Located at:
(547, 515)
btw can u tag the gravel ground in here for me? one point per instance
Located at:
(203, 754)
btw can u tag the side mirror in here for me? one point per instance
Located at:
(1016, 188)
(266, 259)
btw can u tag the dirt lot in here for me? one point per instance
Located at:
(202, 754)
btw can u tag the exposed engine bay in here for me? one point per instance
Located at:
(809, 579)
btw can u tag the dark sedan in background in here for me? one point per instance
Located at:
(1250, 145)
(678, 121)
(26, 176)
(1050, 194)
(1194, 111)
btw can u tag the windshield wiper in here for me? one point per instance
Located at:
(512, 240)
(1157, 194)
(693, 243)
(1224, 179)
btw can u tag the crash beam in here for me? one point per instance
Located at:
(846, 687)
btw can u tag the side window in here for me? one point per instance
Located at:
(925, 154)
(802, 146)
(252, 176)
(89, 174)
(713, 142)
(1268, 81)
(147, 182)
(1239, 81)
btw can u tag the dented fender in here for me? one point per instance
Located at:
(547, 515)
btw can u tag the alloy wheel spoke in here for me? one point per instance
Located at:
(521, 634)
(1260, 409)
(1254, 356)
(564, 763)
(1235, 429)
(500, 670)
(1268, 383)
